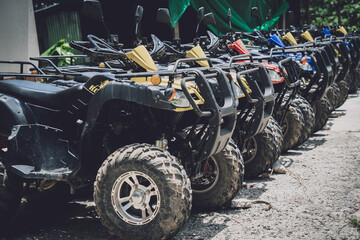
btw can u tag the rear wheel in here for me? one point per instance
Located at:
(333, 95)
(259, 152)
(309, 118)
(322, 111)
(221, 178)
(292, 127)
(279, 137)
(142, 192)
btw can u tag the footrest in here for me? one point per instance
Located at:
(27, 171)
(37, 151)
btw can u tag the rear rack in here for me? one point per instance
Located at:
(21, 74)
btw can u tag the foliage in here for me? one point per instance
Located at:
(328, 15)
(61, 48)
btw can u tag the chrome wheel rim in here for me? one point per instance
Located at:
(135, 198)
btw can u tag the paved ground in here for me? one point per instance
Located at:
(314, 200)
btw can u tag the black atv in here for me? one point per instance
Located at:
(254, 133)
(146, 132)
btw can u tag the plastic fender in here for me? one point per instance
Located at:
(141, 56)
(129, 91)
(13, 112)
(239, 46)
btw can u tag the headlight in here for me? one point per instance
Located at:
(274, 76)
(180, 100)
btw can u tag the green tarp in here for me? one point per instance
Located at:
(240, 9)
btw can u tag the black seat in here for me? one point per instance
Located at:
(42, 94)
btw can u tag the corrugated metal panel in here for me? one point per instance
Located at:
(63, 25)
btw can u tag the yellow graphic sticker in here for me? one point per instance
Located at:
(95, 88)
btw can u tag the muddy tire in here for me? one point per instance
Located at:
(309, 118)
(10, 196)
(322, 111)
(259, 152)
(344, 92)
(142, 192)
(222, 179)
(279, 138)
(292, 127)
(333, 95)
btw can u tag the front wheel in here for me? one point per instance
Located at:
(322, 112)
(142, 192)
(279, 137)
(260, 152)
(333, 94)
(220, 179)
(292, 127)
(309, 118)
(344, 92)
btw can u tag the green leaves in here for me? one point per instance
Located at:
(349, 12)
(60, 48)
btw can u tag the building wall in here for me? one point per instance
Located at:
(18, 37)
(59, 22)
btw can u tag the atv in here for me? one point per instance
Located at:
(163, 144)
(253, 133)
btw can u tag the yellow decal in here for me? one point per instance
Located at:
(243, 80)
(96, 88)
(337, 53)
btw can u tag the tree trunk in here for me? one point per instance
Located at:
(338, 12)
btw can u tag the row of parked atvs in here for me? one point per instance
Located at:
(166, 126)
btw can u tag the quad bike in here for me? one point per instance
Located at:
(149, 133)
(284, 78)
(255, 93)
(340, 59)
(327, 64)
(318, 70)
(333, 35)
(231, 43)
(351, 48)
(252, 134)
(200, 197)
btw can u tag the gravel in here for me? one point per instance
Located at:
(315, 199)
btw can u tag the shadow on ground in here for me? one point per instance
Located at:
(353, 95)
(55, 218)
(314, 141)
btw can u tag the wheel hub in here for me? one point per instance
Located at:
(138, 198)
(135, 198)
